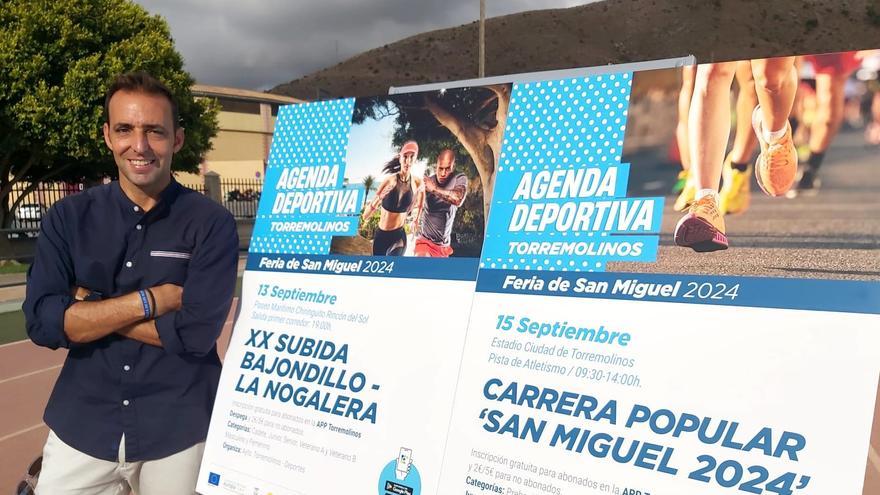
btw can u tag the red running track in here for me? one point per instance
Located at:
(27, 375)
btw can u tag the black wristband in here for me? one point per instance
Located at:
(152, 303)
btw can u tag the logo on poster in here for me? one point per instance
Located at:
(214, 479)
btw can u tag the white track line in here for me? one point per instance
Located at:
(37, 372)
(17, 342)
(874, 457)
(22, 432)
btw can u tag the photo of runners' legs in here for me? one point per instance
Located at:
(775, 84)
(829, 116)
(737, 231)
(702, 228)
(685, 186)
(872, 130)
(736, 172)
(798, 108)
(832, 71)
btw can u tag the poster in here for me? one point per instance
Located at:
(342, 366)
(588, 332)
(602, 357)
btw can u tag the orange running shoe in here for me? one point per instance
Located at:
(702, 229)
(777, 164)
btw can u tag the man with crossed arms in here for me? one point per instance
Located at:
(135, 278)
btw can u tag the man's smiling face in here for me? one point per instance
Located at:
(143, 137)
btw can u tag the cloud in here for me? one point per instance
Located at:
(258, 44)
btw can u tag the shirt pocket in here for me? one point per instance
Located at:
(170, 265)
(180, 255)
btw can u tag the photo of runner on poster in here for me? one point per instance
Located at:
(810, 211)
(427, 162)
(580, 203)
(822, 223)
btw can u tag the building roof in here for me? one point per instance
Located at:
(241, 94)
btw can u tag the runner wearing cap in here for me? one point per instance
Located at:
(398, 195)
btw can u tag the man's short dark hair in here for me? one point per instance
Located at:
(140, 82)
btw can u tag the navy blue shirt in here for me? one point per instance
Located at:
(159, 397)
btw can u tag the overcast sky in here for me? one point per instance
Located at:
(257, 44)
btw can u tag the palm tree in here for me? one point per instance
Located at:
(369, 182)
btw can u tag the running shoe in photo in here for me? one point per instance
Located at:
(736, 191)
(777, 164)
(680, 182)
(808, 184)
(684, 200)
(702, 229)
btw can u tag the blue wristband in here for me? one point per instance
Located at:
(146, 303)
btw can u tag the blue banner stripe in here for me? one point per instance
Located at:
(568, 253)
(366, 266)
(782, 293)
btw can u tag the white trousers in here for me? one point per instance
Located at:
(67, 471)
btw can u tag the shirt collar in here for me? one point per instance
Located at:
(166, 197)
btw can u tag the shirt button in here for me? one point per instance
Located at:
(126, 368)
(136, 208)
(139, 226)
(125, 402)
(129, 264)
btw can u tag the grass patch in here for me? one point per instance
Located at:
(12, 327)
(13, 267)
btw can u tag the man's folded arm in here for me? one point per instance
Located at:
(207, 293)
(50, 278)
(53, 314)
(87, 321)
(144, 331)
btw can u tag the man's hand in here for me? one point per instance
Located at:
(169, 297)
(80, 294)
(430, 184)
(455, 196)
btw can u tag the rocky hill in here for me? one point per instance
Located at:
(608, 32)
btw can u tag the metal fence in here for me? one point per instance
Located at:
(195, 187)
(241, 196)
(36, 200)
